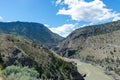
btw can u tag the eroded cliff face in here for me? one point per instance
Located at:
(92, 40)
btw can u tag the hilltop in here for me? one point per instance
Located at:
(36, 32)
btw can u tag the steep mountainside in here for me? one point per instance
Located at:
(15, 50)
(99, 44)
(34, 31)
(90, 37)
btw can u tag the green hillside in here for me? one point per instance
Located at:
(33, 31)
(15, 50)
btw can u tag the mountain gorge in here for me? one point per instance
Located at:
(98, 44)
(31, 44)
(90, 36)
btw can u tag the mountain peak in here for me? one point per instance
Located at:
(34, 31)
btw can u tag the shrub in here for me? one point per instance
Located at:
(19, 73)
(12, 38)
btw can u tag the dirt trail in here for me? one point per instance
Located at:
(1, 78)
(92, 72)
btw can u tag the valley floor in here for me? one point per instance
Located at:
(91, 72)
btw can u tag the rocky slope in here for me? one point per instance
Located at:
(89, 37)
(99, 44)
(15, 50)
(34, 31)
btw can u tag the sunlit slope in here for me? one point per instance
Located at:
(92, 72)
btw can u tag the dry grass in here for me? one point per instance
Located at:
(92, 72)
(2, 78)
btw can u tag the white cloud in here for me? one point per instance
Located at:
(63, 30)
(58, 2)
(1, 18)
(94, 11)
(117, 17)
(46, 25)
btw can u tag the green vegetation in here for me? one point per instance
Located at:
(65, 68)
(19, 73)
(34, 31)
(109, 64)
(12, 38)
(21, 52)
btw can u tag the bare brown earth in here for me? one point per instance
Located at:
(1, 78)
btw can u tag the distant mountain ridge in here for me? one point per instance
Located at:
(35, 31)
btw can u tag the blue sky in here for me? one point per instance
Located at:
(60, 16)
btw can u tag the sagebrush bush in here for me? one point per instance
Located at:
(19, 73)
